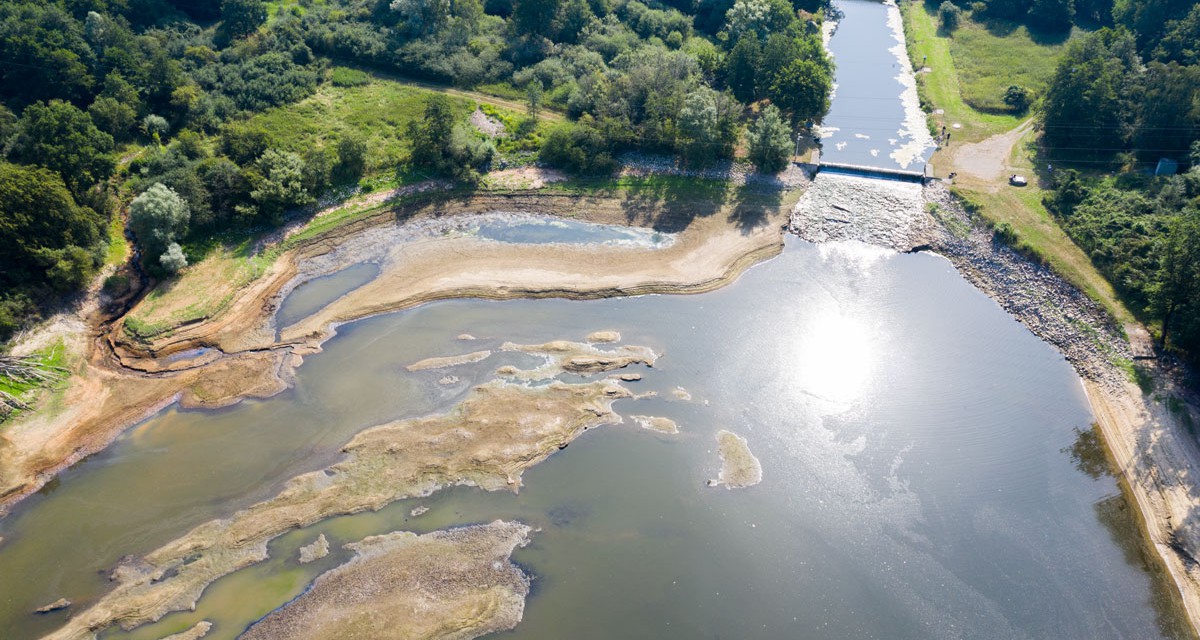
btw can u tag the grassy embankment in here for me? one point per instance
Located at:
(970, 70)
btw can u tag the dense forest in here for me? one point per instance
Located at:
(1123, 98)
(145, 106)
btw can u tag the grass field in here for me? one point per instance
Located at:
(992, 56)
(379, 111)
(971, 70)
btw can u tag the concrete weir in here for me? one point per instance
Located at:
(876, 172)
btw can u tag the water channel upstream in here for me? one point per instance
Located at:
(928, 466)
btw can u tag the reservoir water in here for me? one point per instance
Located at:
(917, 447)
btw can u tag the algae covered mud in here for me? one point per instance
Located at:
(920, 459)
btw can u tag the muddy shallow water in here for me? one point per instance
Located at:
(915, 444)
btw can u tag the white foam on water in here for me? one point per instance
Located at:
(914, 131)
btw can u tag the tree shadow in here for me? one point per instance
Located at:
(669, 204)
(753, 203)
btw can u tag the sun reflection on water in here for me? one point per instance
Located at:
(837, 348)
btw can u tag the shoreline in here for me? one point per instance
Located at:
(121, 382)
(1151, 459)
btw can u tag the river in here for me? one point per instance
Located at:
(915, 442)
(928, 465)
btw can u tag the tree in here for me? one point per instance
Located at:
(240, 18)
(949, 15)
(698, 136)
(1007, 9)
(1052, 15)
(770, 141)
(443, 145)
(44, 235)
(1089, 102)
(113, 117)
(741, 68)
(8, 126)
(760, 17)
(1177, 291)
(157, 217)
(155, 127)
(533, 98)
(60, 137)
(1169, 116)
(579, 148)
(281, 185)
(535, 17)
(226, 187)
(802, 89)
(1182, 40)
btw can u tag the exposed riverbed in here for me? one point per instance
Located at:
(902, 421)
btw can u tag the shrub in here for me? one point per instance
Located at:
(1017, 98)
(172, 260)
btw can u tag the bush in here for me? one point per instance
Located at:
(1017, 98)
(949, 15)
(579, 148)
(172, 260)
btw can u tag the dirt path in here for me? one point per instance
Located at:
(988, 160)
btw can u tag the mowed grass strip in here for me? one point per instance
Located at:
(1037, 231)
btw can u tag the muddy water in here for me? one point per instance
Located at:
(875, 118)
(915, 443)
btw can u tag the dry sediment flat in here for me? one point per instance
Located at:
(604, 336)
(739, 467)
(453, 584)
(315, 550)
(449, 361)
(487, 441)
(195, 632)
(576, 357)
(657, 423)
